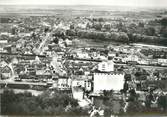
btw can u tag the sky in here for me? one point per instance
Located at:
(134, 3)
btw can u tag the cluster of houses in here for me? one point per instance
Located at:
(88, 72)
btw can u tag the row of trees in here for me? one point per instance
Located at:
(115, 36)
(152, 28)
(118, 36)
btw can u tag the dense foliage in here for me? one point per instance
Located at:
(48, 103)
(152, 32)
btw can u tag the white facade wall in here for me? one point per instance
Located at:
(3, 41)
(76, 83)
(104, 81)
(7, 74)
(62, 83)
(162, 60)
(132, 58)
(106, 66)
(83, 55)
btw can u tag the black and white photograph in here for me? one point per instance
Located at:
(83, 58)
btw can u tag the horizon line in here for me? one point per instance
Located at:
(83, 5)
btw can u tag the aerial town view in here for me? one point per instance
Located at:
(83, 60)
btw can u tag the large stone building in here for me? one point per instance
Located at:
(108, 81)
(107, 78)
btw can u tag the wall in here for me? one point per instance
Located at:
(108, 81)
